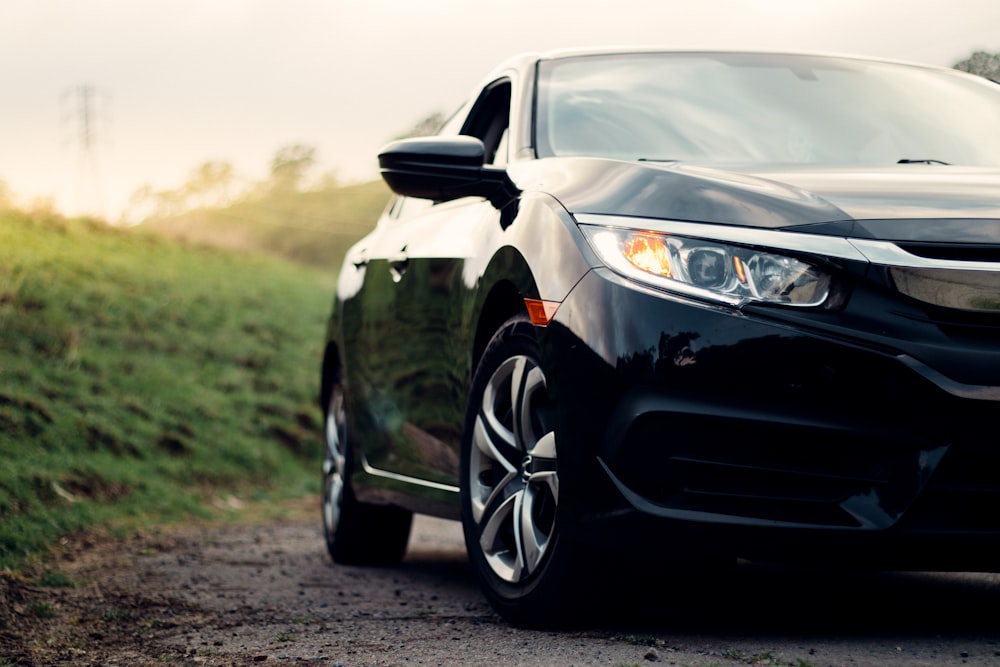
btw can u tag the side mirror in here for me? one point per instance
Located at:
(444, 168)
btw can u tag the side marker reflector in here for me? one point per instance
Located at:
(541, 312)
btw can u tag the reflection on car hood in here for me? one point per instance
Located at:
(902, 191)
(785, 198)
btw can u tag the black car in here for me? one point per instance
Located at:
(677, 307)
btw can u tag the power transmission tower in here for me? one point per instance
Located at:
(83, 107)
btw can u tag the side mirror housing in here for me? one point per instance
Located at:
(444, 168)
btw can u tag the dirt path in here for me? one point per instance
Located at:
(267, 594)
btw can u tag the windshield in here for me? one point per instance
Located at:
(764, 109)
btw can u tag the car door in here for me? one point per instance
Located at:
(405, 338)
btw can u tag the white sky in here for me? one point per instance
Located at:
(181, 82)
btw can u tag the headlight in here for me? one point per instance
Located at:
(732, 274)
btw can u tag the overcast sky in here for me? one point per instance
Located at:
(181, 82)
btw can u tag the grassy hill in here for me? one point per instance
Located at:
(144, 378)
(314, 228)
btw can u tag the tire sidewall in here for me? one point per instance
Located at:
(365, 534)
(520, 602)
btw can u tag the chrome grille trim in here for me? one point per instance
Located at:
(887, 253)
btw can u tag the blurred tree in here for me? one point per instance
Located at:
(426, 126)
(145, 203)
(982, 63)
(210, 185)
(290, 166)
(327, 182)
(140, 205)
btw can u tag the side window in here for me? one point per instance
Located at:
(489, 120)
(501, 156)
(454, 123)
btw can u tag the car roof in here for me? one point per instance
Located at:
(522, 59)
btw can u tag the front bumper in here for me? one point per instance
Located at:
(766, 437)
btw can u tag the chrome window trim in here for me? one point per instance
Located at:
(883, 253)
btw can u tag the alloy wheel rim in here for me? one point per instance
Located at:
(513, 472)
(333, 464)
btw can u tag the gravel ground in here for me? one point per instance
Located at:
(249, 594)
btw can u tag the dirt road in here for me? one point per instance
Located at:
(267, 594)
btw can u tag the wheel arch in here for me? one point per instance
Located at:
(330, 375)
(503, 302)
(510, 281)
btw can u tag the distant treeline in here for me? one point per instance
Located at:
(290, 214)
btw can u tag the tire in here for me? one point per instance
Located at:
(356, 533)
(510, 487)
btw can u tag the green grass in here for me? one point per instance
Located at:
(51, 579)
(140, 378)
(40, 609)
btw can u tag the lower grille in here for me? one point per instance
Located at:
(824, 475)
(963, 496)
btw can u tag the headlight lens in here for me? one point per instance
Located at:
(734, 275)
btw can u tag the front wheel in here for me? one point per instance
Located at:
(355, 532)
(510, 487)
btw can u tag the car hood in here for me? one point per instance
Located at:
(924, 202)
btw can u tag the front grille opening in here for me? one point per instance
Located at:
(761, 470)
(955, 252)
(778, 494)
(950, 289)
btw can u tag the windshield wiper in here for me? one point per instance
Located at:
(925, 161)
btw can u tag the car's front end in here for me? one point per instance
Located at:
(820, 390)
